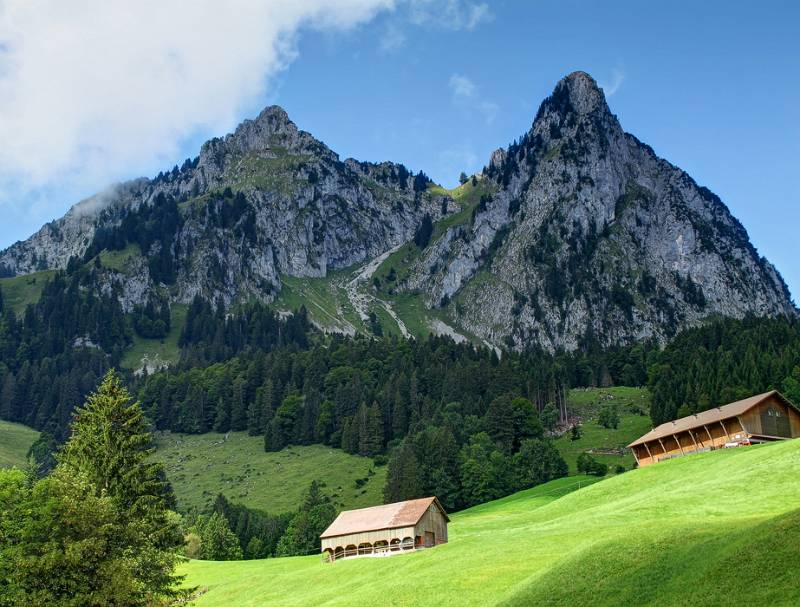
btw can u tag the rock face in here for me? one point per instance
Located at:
(592, 236)
(588, 237)
(297, 210)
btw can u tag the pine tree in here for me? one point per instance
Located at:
(313, 517)
(370, 435)
(402, 479)
(111, 448)
(217, 541)
(254, 414)
(349, 440)
(222, 416)
(238, 406)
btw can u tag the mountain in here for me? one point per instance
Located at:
(591, 234)
(265, 201)
(575, 234)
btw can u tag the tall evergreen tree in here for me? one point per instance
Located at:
(313, 517)
(217, 541)
(97, 531)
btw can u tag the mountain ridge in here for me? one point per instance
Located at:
(582, 233)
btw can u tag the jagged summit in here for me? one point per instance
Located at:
(583, 91)
(591, 236)
(575, 95)
(574, 234)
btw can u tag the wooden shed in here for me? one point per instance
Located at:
(387, 529)
(761, 418)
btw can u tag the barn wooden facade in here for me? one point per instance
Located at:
(385, 530)
(764, 417)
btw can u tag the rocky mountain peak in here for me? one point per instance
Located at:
(575, 98)
(576, 231)
(584, 94)
(272, 129)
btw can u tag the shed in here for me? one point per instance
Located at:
(760, 418)
(387, 529)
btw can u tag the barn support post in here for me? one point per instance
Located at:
(663, 448)
(711, 438)
(691, 435)
(675, 436)
(741, 423)
(725, 430)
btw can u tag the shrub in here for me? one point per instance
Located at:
(609, 417)
(588, 465)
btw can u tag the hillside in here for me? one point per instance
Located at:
(201, 466)
(606, 445)
(15, 440)
(697, 530)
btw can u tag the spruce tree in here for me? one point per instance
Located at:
(217, 541)
(111, 448)
(313, 517)
(402, 480)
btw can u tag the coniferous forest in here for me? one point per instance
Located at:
(448, 419)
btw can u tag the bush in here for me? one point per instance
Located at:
(619, 469)
(609, 417)
(588, 465)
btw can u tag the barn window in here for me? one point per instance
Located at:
(774, 423)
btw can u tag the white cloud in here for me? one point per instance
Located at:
(393, 38)
(465, 95)
(92, 90)
(617, 78)
(450, 14)
(462, 86)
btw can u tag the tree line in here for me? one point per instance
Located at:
(724, 361)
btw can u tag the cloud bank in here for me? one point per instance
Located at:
(612, 86)
(92, 90)
(465, 95)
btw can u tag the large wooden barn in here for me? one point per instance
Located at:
(764, 417)
(387, 529)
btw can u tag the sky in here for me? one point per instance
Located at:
(95, 92)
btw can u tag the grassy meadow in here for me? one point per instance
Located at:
(201, 466)
(19, 291)
(606, 445)
(15, 440)
(157, 351)
(706, 530)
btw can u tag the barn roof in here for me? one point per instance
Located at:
(388, 516)
(707, 417)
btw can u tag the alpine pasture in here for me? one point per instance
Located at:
(703, 530)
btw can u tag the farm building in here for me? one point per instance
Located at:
(387, 529)
(764, 417)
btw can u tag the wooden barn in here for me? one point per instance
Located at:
(761, 418)
(387, 529)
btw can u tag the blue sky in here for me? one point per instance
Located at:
(713, 87)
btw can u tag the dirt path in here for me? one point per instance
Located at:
(361, 299)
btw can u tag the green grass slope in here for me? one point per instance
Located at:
(708, 529)
(155, 352)
(606, 445)
(200, 466)
(19, 291)
(15, 440)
